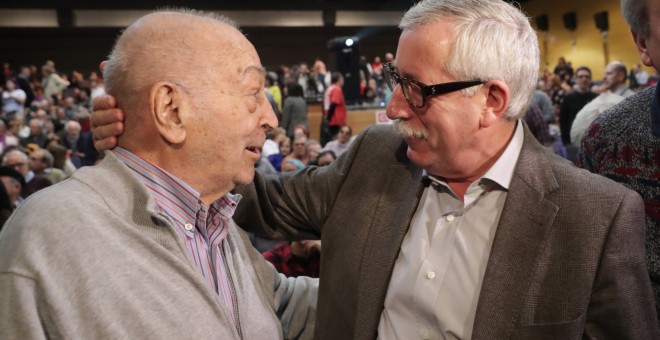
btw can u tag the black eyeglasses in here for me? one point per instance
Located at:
(416, 92)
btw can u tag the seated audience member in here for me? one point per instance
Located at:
(6, 208)
(18, 160)
(37, 135)
(149, 248)
(326, 157)
(297, 258)
(285, 149)
(300, 131)
(312, 148)
(12, 99)
(12, 183)
(6, 138)
(60, 157)
(41, 161)
(80, 143)
(537, 125)
(343, 141)
(299, 151)
(273, 139)
(292, 164)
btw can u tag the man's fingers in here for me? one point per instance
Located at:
(106, 117)
(106, 131)
(105, 102)
(105, 144)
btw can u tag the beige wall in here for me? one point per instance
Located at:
(584, 46)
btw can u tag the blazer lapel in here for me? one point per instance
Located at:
(398, 202)
(520, 237)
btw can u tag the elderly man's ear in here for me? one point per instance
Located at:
(166, 104)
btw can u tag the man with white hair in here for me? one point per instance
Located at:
(457, 223)
(80, 143)
(623, 143)
(146, 247)
(18, 160)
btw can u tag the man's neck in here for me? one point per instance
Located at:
(460, 185)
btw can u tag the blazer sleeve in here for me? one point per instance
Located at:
(622, 304)
(293, 299)
(296, 205)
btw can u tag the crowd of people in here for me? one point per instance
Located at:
(44, 126)
(455, 221)
(569, 100)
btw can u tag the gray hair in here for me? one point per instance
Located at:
(22, 154)
(637, 16)
(494, 41)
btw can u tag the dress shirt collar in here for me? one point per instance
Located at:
(502, 171)
(655, 112)
(172, 195)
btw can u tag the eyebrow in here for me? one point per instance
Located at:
(255, 68)
(403, 74)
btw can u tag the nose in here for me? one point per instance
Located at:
(268, 119)
(398, 107)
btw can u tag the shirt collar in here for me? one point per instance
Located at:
(502, 171)
(655, 112)
(173, 196)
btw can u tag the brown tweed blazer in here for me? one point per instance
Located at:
(567, 261)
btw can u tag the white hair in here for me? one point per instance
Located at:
(494, 41)
(20, 153)
(637, 16)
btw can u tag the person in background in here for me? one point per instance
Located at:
(10, 192)
(299, 151)
(285, 149)
(572, 104)
(18, 160)
(334, 109)
(295, 109)
(296, 258)
(312, 148)
(40, 161)
(12, 100)
(622, 143)
(326, 157)
(343, 141)
(291, 164)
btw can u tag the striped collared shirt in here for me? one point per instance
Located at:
(202, 229)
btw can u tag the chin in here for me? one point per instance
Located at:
(245, 177)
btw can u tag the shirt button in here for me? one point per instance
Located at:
(430, 275)
(188, 227)
(450, 218)
(425, 334)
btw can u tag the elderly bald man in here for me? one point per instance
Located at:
(147, 248)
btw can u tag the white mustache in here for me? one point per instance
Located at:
(408, 131)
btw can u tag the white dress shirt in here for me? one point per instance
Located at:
(435, 284)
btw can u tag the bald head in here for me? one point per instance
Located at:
(179, 47)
